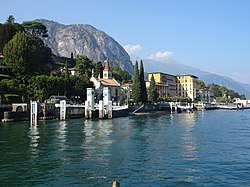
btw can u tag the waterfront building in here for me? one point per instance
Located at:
(186, 86)
(127, 91)
(165, 84)
(106, 81)
(205, 94)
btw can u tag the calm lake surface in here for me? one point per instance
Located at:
(210, 148)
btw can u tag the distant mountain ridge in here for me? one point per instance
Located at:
(82, 39)
(175, 68)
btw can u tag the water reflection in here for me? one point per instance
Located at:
(33, 134)
(97, 131)
(97, 140)
(189, 140)
(62, 137)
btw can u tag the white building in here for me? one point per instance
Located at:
(107, 81)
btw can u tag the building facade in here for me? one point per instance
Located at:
(205, 94)
(165, 84)
(186, 86)
(126, 92)
(106, 81)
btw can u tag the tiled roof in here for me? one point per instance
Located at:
(109, 82)
(127, 84)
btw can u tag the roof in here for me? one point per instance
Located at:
(127, 84)
(161, 73)
(109, 82)
(188, 75)
(107, 65)
(72, 69)
(61, 97)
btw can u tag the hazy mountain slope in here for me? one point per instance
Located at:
(81, 39)
(174, 68)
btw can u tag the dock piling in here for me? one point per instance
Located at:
(63, 110)
(33, 112)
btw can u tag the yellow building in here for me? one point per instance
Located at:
(186, 86)
(165, 84)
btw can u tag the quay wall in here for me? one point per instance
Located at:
(75, 112)
(46, 112)
(15, 116)
(4, 108)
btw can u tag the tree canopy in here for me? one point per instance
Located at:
(7, 32)
(35, 28)
(10, 19)
(84, 65)
(120, 75)
(144, 97)
(26, 55)
(224, 94)
(152, 92)
(136, 88)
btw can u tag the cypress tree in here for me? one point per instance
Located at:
(136, 88)
(144, 97)
(152, 90)
(67, 70)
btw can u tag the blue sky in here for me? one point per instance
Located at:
(212, 35)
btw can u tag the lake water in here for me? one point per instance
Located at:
(210, 148)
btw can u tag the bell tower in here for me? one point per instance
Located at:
(107, 73)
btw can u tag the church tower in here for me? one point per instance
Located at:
(107, 73)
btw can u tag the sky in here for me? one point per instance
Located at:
(212, 35)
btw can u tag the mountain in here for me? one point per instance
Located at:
(81, 39)
(174, 68)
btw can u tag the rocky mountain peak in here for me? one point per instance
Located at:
(83, 39)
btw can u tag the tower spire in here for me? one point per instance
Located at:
(107, 74)
(107, 65)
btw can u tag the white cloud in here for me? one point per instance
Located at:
(161, 56)
(132, 49)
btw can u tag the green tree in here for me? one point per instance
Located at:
(66, 70)
(98, 69)
(8, 86)
(77, 86)
(82, 83)
(26, 55)
(43, 86)
(152, 92)
(84, 65)
(120, 75)
(216, 90)
(12, 87)
(144, 97)
(10, 19)
(7, 32)
(136, 88)
(200, 84)
(224, 91)
(35, 28)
